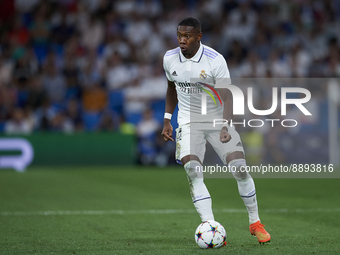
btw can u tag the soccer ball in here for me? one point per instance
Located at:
(210, 234)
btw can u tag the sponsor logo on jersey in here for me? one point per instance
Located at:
(174, 73)
(198, 87)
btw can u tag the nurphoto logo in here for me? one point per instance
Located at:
(239, 102)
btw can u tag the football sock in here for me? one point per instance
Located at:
(246, 188)
(199, 192)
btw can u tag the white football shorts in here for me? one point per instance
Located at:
(191, 140)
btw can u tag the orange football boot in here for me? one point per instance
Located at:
(257, 229)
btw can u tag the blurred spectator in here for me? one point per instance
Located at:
(237, 52)
(73, 113)
(24, 68)
(155, 84)
(94, 98)
(18, 34)
(7, 101)
(274, 153)
(61, 123)
(6, 67)
(317, 43)
(253, 144)
(253, 67)
(138, 29)
(147, 143)
(62, 32)
(36, 93)
(261, 45)
(18, 124)
(103, 8)
(240, 24)
(126, 128)
(333, 67)
(30, 117)
(278, 66)
(117, 73)
(109, 121)
(53, 59)
(89, 75)
(300, 61)
(40, 28)
(149, 8)
(125, 7)
(113, 26)
(44, 115)
(93, 33)
(136, 101)
(54, 84)
(25, 6)
(71, 74)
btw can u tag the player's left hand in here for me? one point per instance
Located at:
(224, 135)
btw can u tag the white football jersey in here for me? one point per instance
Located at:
(195, 79)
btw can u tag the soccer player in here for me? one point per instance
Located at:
(194, 60)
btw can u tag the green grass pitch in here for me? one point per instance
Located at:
(130, 210)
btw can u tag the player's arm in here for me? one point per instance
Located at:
(170, 105)
(227, 99)
(221, 75)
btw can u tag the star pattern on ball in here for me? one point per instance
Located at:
(199, 235)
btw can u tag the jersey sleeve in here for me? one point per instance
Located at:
(166, 70)
(221, 71)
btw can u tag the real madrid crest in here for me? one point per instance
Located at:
(203, 75)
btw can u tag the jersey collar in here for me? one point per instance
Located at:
(196, 58)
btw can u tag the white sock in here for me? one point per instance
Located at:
(246, 188)
(199, 192)
(204, 209)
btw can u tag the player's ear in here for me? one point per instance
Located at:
(199, 36)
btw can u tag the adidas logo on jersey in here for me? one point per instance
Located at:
(239, 144)
(174, 73)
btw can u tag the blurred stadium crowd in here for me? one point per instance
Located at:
(83, 65)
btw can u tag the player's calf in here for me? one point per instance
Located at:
(199, 192)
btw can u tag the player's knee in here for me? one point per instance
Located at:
(238, 169)
(194, 172)
(241, 175)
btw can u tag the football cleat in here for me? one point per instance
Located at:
(257, 229)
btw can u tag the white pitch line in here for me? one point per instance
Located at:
(169, 211)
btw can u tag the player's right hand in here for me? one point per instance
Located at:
(167, 131)
(224, 135)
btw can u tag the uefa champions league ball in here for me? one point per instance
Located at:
(210, 234)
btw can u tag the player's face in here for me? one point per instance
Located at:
(188, 40)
